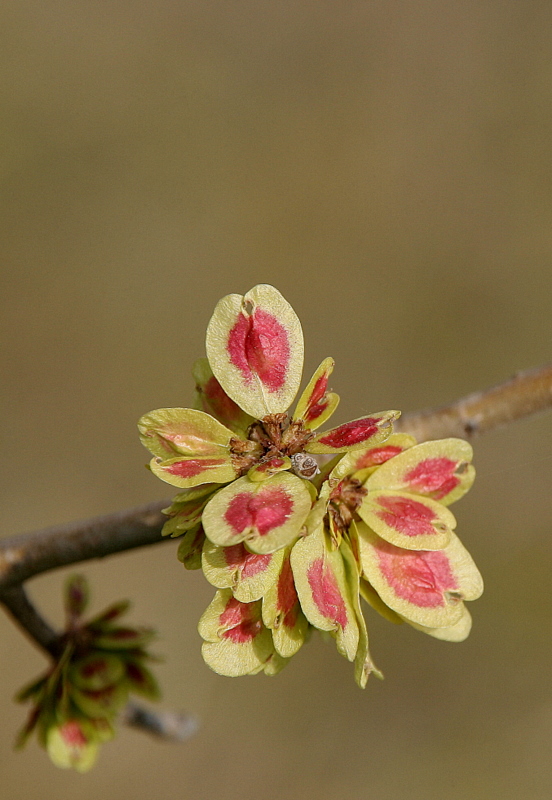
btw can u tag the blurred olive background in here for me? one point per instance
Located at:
(388, 167)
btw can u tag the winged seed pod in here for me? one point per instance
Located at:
(290, 540)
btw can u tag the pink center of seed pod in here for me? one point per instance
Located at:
(315, 411)
(190, 467)
(325, 592)
(136, 674)
(259, 345)
(272, 464)
(318, 402)
(407, 516)
(377, 456)
(319, 390)
(420, 577)
(351, 433)
(192, 440)
(434, 475)
(241, 620)
(95, 667)
(72, 735)
(249, 564)
(268, 509)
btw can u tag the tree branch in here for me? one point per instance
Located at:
(29, 554)
(526, 393)
(26, 555)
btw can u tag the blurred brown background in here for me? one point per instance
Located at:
(388, 167)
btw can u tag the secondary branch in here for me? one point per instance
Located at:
(523, 395)
(29, 554)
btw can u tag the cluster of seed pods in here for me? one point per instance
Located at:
(98, 664)
(294, 526)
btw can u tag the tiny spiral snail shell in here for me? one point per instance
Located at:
(305, 466)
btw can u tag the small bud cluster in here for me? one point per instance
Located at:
(290, 540)
(100, 663)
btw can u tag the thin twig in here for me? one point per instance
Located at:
(29, 554)
(171, 726)
(525, 394)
